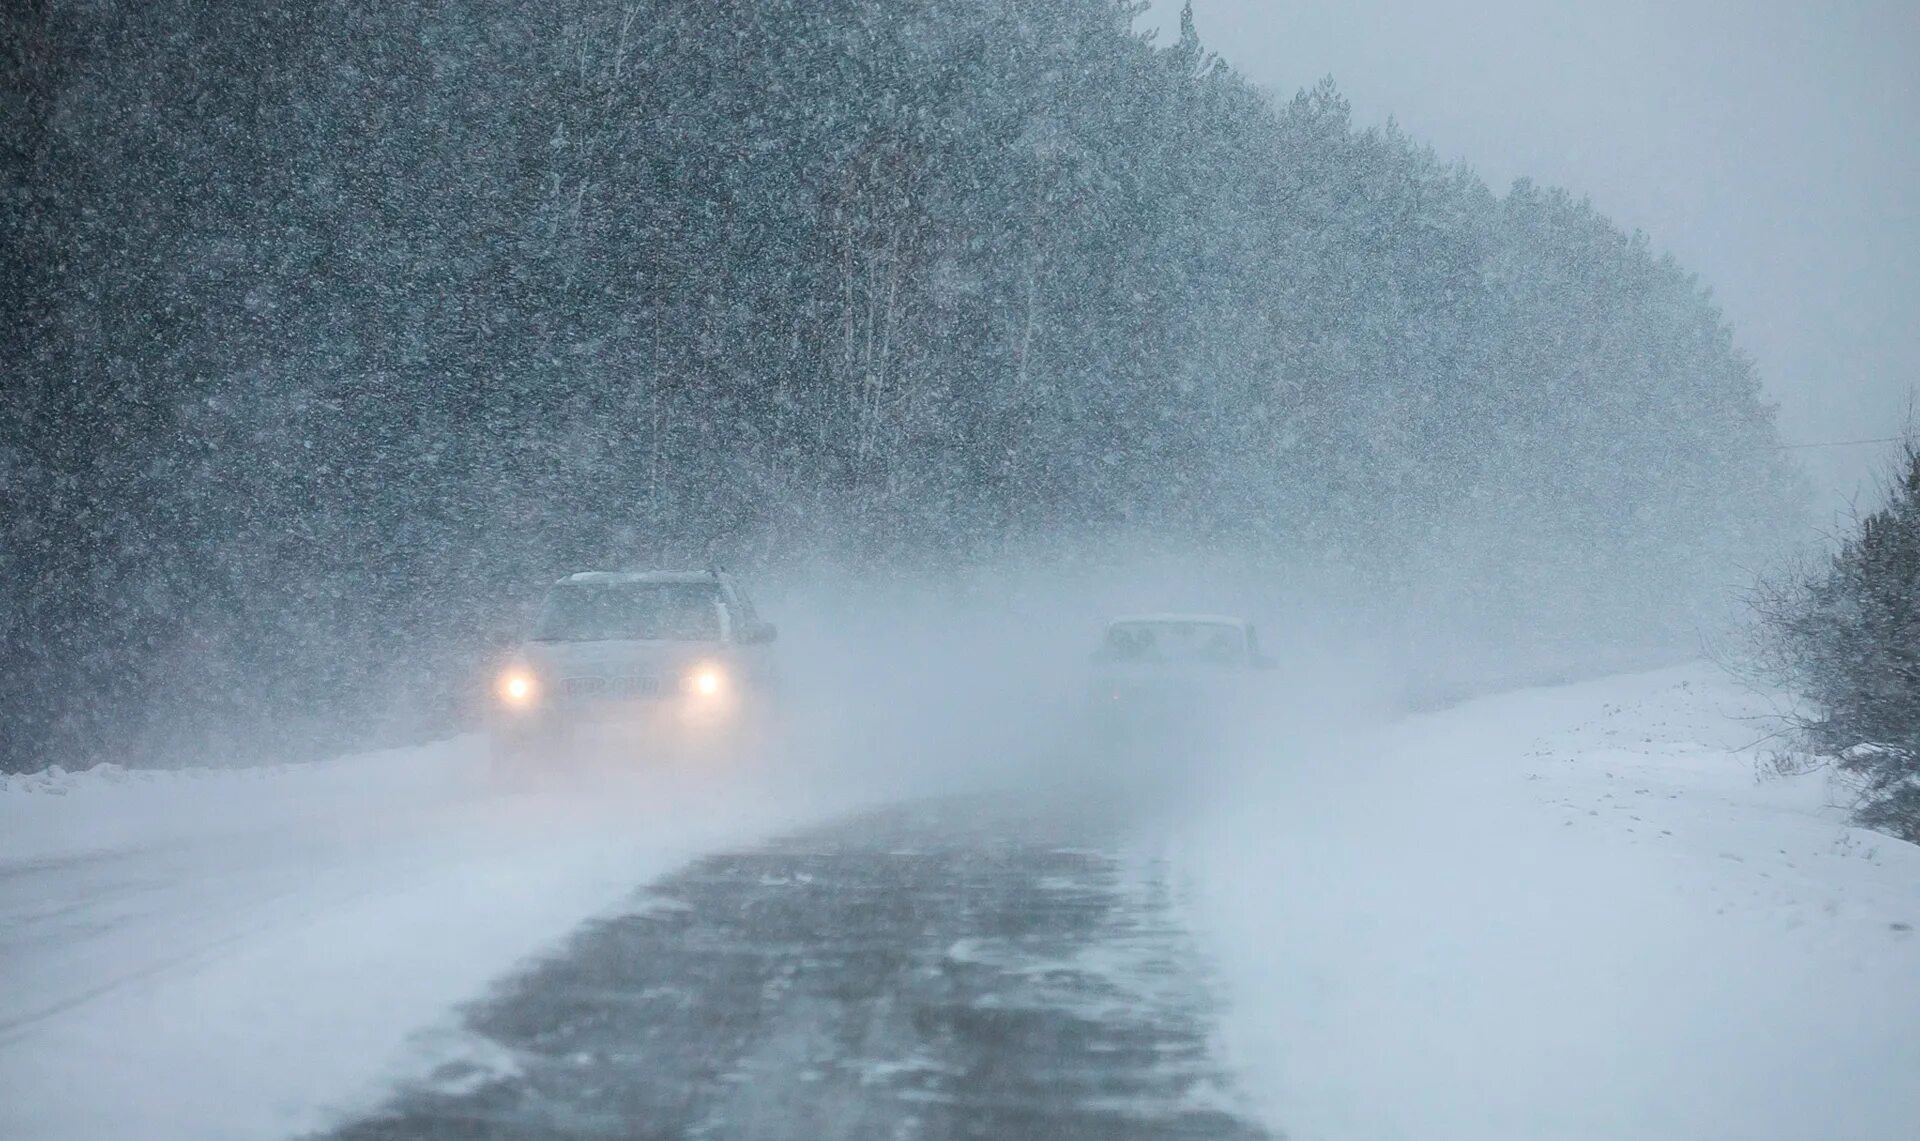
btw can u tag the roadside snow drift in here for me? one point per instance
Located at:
(1563, 913)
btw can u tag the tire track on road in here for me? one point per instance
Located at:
(954, 970)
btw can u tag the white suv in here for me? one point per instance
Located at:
(645, 659)
(1166, 678)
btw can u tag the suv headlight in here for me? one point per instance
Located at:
(517, 688)
(706, 681)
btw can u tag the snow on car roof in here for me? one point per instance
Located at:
(642, 576)
(1197, 619)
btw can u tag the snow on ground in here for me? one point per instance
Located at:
(236, 953)
(1561, 913)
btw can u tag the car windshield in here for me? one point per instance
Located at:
(1166, 641)
(630, 611)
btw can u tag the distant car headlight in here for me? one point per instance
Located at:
(706, 681)
(518, 688)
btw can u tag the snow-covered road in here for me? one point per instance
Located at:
(1571, 912)
(233, 954)
(971, 967)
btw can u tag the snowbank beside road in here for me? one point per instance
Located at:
(109, 808)
(1563, 913)
(233, 953)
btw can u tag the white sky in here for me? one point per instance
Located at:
(1772, 146)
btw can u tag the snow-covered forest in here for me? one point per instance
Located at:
(334, 328)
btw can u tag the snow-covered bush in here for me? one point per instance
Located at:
(1846, 635)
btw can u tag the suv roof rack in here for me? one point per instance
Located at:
(644, 576)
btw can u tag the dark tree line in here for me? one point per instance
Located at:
(334, 325)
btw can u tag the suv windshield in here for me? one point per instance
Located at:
(1175, 642)
(630, 611)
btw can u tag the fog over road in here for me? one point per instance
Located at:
(959, 968)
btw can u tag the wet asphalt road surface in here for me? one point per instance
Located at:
(955, 970)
